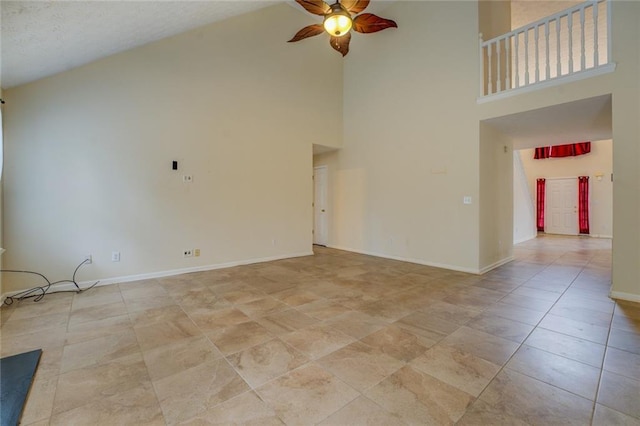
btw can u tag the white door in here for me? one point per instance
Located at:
(561, 215)
(320, 215)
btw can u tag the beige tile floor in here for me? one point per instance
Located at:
(341, 339)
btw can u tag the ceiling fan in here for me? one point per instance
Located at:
(338, 21)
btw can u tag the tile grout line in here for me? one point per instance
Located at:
(525, 339)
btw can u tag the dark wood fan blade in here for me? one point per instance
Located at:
(370, 23)
(308, 31)
(317, 7)
(355, 6)
(341, 44)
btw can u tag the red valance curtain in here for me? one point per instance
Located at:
(568, 150)
(541, 152)
(583, 204)
(540, 187)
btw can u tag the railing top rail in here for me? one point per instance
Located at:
(544, 20)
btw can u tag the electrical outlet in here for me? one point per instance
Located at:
(196, 252)
(187, 253)
(115, 256)
(88, 259)
(187, 178)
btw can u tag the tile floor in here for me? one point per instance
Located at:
(341, 339)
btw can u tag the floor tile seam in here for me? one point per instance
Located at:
(99, 319)
(595, 396)
(556, 302)
(271, 379)
(96, 398)
(129, 328)
(602, 368)
(568, 335)
(155, 393)
(510, 319)
(398, 418)
(101, 363)
(374, 349)
(566, 357)
(564, 315)
(411, 364)
(312, 363)
(615, 327)
(358, 394)
(616, 410)
(504, 365)
(4, 334)
(54, 377)
(571, 335)
(153, 384)
(218, 404)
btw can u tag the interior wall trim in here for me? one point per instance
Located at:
(410, 260)
(138, 277)
(629, 297)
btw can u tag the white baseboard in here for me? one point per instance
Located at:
(629, 297)
(610, 237)
(160, 274)
(410, 260)
(522, 240)
(496, 264)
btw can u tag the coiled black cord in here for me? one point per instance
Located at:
(39, 292)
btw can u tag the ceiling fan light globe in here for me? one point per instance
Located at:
(338, 23)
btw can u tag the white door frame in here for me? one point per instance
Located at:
(320, 205)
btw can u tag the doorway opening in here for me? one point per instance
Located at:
(320, 206)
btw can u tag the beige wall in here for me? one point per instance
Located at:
(496, 198)
(410, 150)
(598, 161)
(89, 152)
(524, 215)
(494, 18)
(626, 154)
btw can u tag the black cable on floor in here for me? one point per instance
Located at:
(39, 292)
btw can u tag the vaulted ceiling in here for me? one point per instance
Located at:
(41, 38)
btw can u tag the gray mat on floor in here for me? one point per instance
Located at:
(16, 376)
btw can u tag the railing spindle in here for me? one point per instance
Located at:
(558, 63)
(517, 56)
(499, 75)
(583, 53)
(609, 45)
(570, 25)
(507, 45)
(547, 68)
(490, 83)
(537, 54)
(526, 57)
(596, 54)
(481, 65)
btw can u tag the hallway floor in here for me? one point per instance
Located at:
(341, 339)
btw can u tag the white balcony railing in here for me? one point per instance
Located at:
(567, 43)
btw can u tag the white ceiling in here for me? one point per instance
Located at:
(583, 120)
(42, 38)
